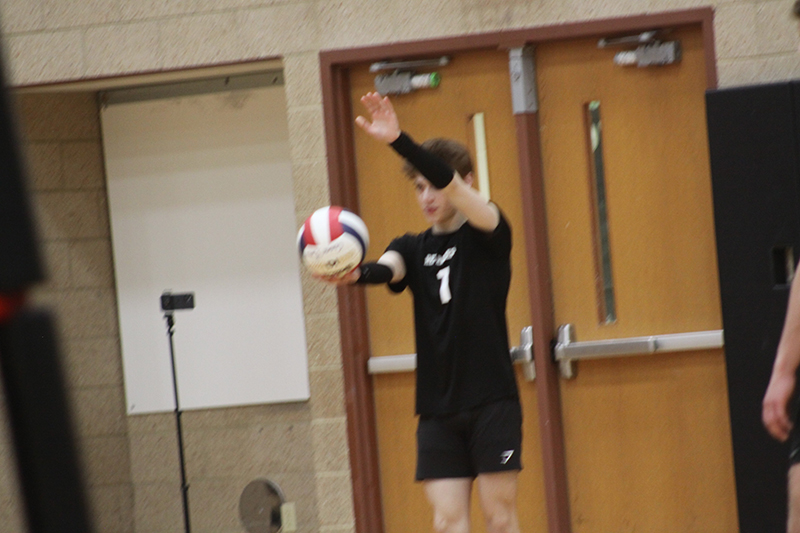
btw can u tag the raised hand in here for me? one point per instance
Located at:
(383, 124)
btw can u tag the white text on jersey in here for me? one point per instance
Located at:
(438, 260)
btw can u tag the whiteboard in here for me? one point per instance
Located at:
(200, 200)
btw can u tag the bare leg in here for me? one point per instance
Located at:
(793, 525)
(498, 497)
(450, 501)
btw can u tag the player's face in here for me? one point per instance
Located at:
(434, 204)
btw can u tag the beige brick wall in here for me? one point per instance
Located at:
(51, 40)
(132, 461)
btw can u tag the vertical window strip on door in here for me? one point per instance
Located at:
(602, 250)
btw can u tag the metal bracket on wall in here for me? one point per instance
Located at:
(522, 70)
(408, 65)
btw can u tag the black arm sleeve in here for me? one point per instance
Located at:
(431, 166)
(374, 274)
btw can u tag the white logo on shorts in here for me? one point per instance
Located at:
(505, 456)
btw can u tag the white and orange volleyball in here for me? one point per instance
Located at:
(332, 241)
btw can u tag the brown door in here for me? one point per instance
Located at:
(647, 439)
(472, 83)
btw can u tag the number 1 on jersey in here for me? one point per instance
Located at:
(444, 287)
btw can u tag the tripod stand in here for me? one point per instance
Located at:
(169, 317)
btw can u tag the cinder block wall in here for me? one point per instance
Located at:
(131, 462)
(50, 41)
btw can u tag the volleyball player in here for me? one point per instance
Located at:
(458, 271)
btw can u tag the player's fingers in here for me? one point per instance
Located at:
(783, 425)
(352, 276)
(777, 422)
(363, 123)
(371, 102)
(326, 279)
(382, 104)
(768, 414)
(779, 433)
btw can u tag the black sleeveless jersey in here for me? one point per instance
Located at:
(460, 285)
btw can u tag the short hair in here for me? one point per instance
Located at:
(452, 152)
(796, 8)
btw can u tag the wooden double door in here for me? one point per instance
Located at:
(646, 439)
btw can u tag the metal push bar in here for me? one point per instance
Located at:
(522, 354)
(567, 350)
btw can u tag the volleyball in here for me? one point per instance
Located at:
(332, 241)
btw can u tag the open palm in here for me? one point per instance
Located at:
(383, 124)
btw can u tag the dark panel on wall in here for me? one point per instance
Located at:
(754, 168)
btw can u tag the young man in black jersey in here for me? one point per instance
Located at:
(458, 271)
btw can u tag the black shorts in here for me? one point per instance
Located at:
(485, 439)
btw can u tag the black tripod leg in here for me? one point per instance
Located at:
(43, 438)
(184, 485)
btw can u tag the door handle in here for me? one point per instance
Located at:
(567, 350)
(522, 354)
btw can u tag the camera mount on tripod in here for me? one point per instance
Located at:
(177, 302)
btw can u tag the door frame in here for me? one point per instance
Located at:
(339, 142)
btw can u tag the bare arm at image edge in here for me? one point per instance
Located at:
(775, 407)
